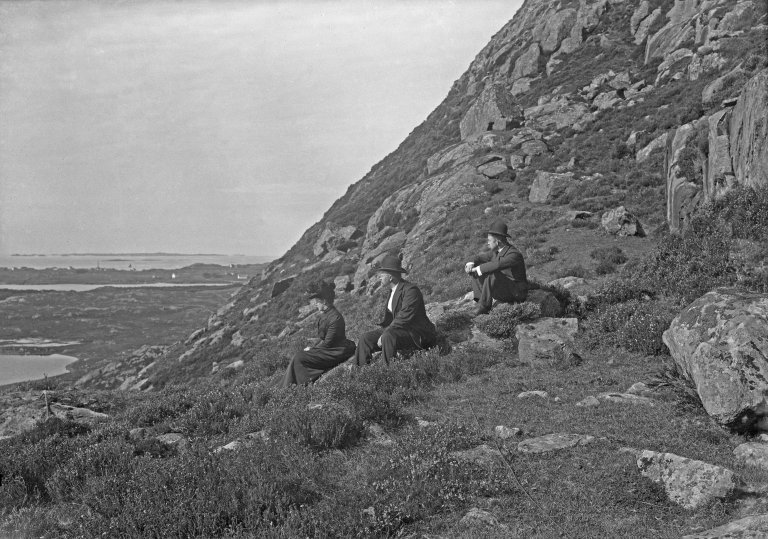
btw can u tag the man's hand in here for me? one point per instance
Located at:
(307, 349)
(468, 267)
(378, 343)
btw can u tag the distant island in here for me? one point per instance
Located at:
(161, 253)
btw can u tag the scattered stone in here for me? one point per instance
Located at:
(231, 446)
(494, 169)
(378, 435)
(720, 344)
(751, 527)
(687, 482)
(235, 365)
(73, 413)
(588, 401)
(625, 398)
(482, 454)
(343, 284)
(282, 285)
(553, 442)
(752, 454)
(620, 222)
(659, 143)
(506, 432)
(536, 393)
(763, 438)
(641, 389)
(546, 341)
(548, 185)
(336, 238)
(174, 439)
(423, 423)
(478, 517)
(494, 110)
(138, 433)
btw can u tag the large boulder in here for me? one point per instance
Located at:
(557, 113)
(751, 527)
(620, 222)
(527, 63)
(282, 285)
(749, 132)
(720, 344)
(552, 30)
(687, 482)
(546, 341)
(336, 238)
(493, 110)
(659, 143)
(548, 185)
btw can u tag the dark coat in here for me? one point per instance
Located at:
(331, 330)
(507, 261)
(408, 313)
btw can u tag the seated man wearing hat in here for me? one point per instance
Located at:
(405, 326)
(331, 347)
(500, 274)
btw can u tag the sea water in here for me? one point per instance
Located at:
(126, 261)
(24, 368)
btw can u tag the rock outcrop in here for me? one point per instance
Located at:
(548, 185)
(494, 110)
(720, 344)
(547, 341)
(620, 222)
(687, 482)
(749, 133)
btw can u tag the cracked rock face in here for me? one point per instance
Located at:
(687, 482)
(720, 343)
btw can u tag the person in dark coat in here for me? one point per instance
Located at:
(332, 346)
(405, 325)
(499, 274)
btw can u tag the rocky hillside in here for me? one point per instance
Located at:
(582, 124)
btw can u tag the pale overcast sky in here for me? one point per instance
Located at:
(226, 127)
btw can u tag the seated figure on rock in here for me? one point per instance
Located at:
(332, 346)
(405, 326)
(500, 273)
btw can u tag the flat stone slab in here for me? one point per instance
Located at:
(479, 517)
(588, 401)
(625, 398)
(751, 527)
(752, 454)
(506, 432)
(687, 482)
(482, 454)
(536, 393)
(553, 442)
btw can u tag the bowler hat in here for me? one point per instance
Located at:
(321, 290)
(498, 228)
(391, 263)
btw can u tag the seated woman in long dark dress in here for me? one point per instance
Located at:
(332, 346)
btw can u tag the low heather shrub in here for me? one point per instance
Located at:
(501, 322)
(611, 254)
(636, 326)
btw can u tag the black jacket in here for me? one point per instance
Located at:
(331, 331)
(507, 261)
(408, 313)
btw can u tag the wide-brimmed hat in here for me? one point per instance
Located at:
(321, 290)
(391, 263)
(498, 228)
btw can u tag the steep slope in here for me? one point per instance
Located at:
(580, 123)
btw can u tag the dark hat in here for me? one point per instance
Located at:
(498, 228)
(391, 263)
(321, 290)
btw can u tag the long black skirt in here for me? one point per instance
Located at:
(307, 366)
